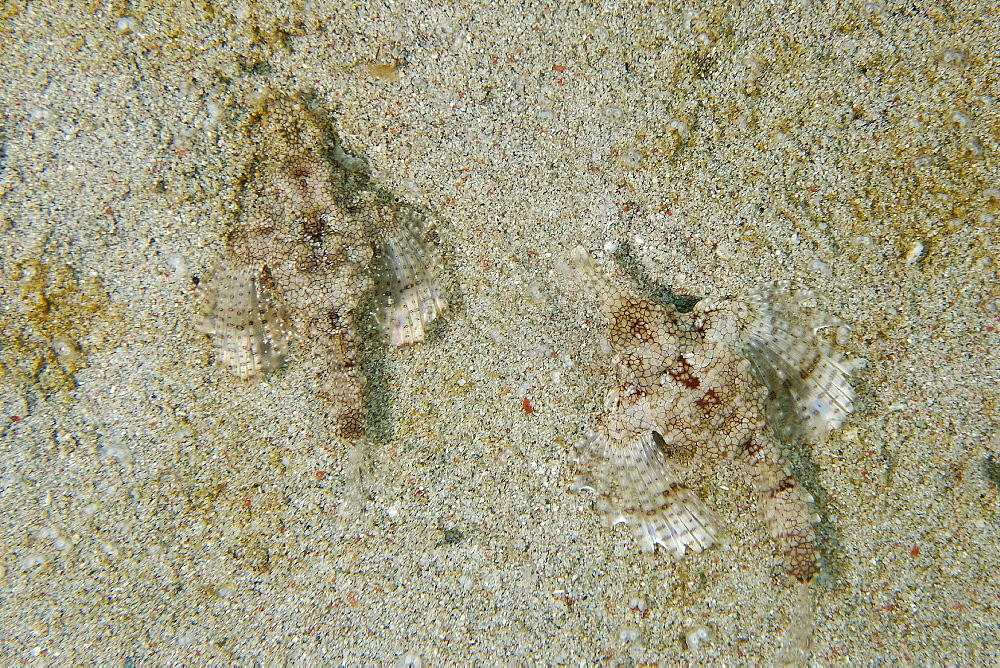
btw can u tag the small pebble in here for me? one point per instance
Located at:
(613, 112)
(64, 347)
(30, 561)
(696, 635)
(820, 267)
(953, 57)
(914, 253)
(632, 159)
(974, 147)
(959, 119)
(873, 9)
(843, 335)
(680, 127)
(393, 510)
(126, 24)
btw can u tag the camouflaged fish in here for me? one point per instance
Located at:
(701, 383)
(312, 239)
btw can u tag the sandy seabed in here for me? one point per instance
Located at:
(156, 510)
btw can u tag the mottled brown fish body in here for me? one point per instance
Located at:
(698, 384)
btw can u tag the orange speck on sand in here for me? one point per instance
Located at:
(528, 408)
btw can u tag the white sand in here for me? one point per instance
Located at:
(160, 511)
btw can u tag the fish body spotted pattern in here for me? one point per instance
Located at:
(312, 239)
(701, 383)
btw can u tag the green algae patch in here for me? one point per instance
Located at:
(53, 319)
